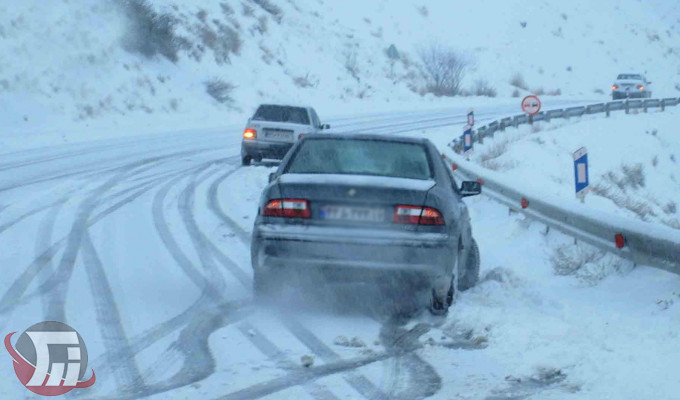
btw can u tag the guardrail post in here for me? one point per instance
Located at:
(531, 119)
(502, 126)
(606, 109)
(627, 107)
(644, 106)
(663, 105)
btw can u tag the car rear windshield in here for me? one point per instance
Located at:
(361, 157)
(295, 115)
(630, 76)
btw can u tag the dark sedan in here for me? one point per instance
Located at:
(366, 209)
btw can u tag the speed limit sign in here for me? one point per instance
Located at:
(531, 105)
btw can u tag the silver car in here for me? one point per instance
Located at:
(273, 130)
(365, 209)
(631, 85)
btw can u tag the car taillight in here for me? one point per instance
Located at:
(249, 134)
(614, 87)
(287, 208)
(404, 214)
(640, 87)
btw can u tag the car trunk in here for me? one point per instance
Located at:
(354, 200)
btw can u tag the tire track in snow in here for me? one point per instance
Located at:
(43, 242)
(359, 382)
(60, 282)
(111, 328)
(422, 379)
(14, 296)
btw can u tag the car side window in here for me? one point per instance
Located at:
(315, 118)
(450, 176)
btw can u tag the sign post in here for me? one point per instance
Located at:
(581, 173)
(467, 133)
(531, 105)
(467, 140)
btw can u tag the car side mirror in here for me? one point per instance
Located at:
(272, 177)
(470, 188)
(325, 126)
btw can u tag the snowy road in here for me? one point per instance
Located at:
(143, 247)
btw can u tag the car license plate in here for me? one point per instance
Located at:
(279, 135)
(348, 213)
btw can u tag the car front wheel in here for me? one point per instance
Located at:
(245, 161)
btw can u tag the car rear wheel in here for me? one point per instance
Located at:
(471, 268)
(246, 160)
(439, 305)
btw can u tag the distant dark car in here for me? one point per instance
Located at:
(273, 130)
(364, 208)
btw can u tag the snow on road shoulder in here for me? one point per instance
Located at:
(611, 335)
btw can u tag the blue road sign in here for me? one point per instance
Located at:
(467, 140)
(581, 171)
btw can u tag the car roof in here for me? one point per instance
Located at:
(284, 105)
(367, 136)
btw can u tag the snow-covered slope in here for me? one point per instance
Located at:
(633, 161)
(79, 68)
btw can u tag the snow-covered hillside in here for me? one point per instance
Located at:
(633, 161)
(78, 69)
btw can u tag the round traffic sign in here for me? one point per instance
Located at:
(531, 105)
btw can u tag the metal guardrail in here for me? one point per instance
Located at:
(645, 243)
(491, 128)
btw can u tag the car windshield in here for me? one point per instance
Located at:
(630, 76)
(295, 115)
(361, 157)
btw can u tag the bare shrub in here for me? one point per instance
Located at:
(351, 64)
(631, 177)
(539, 91)
(272, 9)
(670, 208)
(555, 92)
(222, 42)
(488, 158)
(672, 223)
(305, 81)
(219, 90)
(482, 88)
(517, 81)
(226, 8)
(598, 91)
(445, 69)
(423, 11)
(640, 208)
(587, 263)
(148, 32)
(247, 10)
(515, 93)
(262, 25)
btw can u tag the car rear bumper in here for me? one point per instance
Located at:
(634, 93)
(264, 149)
(345, 255)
